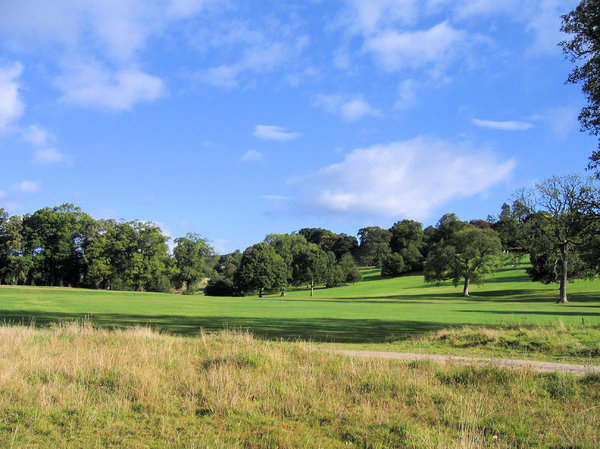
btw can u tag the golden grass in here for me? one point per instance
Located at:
(74, 386)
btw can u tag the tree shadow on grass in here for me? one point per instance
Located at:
(563, 312)
(320, 329)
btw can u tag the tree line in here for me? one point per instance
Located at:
(556, 223)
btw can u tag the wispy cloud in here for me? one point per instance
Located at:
(11, 105)
(350, 109)
(274, 197)
(90, 84)
(26, 187)
(508, 125)
(409, 178)
(253, 156)
(415, 49)
(48, 156)
(270, 132)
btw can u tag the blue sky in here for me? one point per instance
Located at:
(234, 119)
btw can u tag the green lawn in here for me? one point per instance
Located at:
(373, 311)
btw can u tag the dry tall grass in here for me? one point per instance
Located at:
(78, 387)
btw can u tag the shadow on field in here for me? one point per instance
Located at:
(322, 329)
(563, 312)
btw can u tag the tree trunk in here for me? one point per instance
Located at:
(466, 287)
(564, 276)
(260, 292)
(312, 287)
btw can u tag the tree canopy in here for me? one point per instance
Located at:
(469, 254)
(583, 48)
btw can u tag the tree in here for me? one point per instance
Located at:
(286, 245)
(393, 265)
(583, 24)
(310, 266)
(560, 224)
(261, 268)
(55, 240)
(12, 266)
(469, 254)
(374, 245)
(191, 255)
(407, 241)
(349, 268)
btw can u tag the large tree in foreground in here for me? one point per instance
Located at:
(468, 254)
(561, 223)
(583, 47)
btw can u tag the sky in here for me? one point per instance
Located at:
(234, 119)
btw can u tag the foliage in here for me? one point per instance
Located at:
(192, 260)
(219, 285)
(468, 254)
(560, 223)
(584, 47)
(55, 240)
(393, 265)
(261, 268)
(374, 245)
(310, 266)
(13, 268)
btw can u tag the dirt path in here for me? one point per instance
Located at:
(578, 370)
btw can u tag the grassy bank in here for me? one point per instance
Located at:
(75, 386)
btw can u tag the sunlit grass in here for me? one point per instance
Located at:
(75, 386)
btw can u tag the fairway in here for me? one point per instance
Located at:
(374, 310)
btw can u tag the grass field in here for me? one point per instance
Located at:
(392, 314)
(78, 387)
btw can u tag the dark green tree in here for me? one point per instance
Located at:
(286, 245)
(563, 216)
(393, 265)
(310, 266)
(192, 257)
(407, 241)
(583, 48)
(374, 245)
(54, 239)
(261, 268)
(13, 269)
(468, 254)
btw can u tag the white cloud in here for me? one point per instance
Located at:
(541, 17)
(115, 32)
(253, 156)
(11, 106)
(270, 132)
(118, 29)
(92, 85)
(48, 156)
(415, 49)
(26, 186)
(37, 135)
(274, 197)
(370, 16)
(350, 110)
(261, 56)
(407, 94)
(409, 178)
(509, 125)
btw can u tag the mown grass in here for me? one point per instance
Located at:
(74, 386)
(402, 312)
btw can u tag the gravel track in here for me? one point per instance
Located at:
(578, 370)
